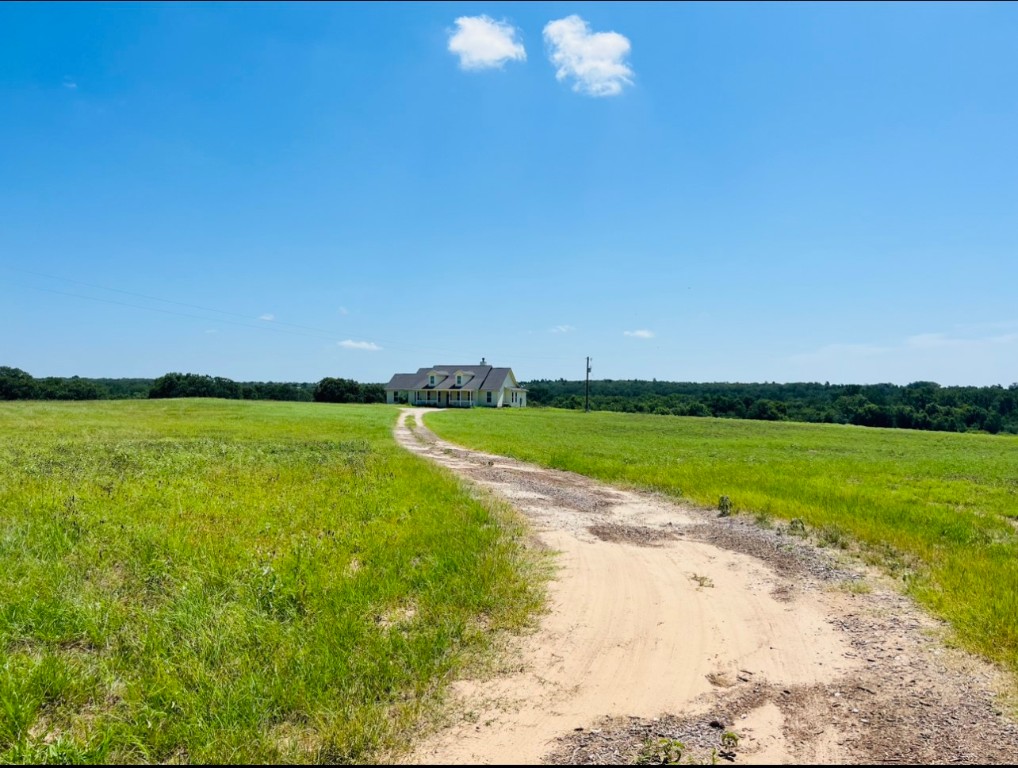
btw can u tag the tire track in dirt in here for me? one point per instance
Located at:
(665, 621)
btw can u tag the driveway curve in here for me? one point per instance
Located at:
(667, 621)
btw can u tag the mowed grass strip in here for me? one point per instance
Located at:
(939, 509)
(217, 581)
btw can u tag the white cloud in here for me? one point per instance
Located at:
(640, 334)
(344, 311)
(483, 43)
(267, 317)
(595, 61)
(70, 85)
(367, 346)
(563, 329)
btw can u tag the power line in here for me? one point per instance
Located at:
(252, 324)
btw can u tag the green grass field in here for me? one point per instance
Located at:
(221, 581)
(937, 509)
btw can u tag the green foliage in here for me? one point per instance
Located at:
(330, 390)
(922, 405)
(199, 385)
(935, 507)
(661, 751)
(729, 740)
(15, 384)
(212, 581)
(724, 506)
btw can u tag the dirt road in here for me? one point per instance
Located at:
(666, 621)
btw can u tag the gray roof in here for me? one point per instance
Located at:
(485, 378)
(402, 381)
(495, 378)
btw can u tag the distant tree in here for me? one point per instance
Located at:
(372, 393)
(765, 410)
(194, 385)
(74, 388)
(332, 390)
(16, 384)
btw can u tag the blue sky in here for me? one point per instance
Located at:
(782, 192)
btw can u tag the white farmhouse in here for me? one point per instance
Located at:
(458, 386)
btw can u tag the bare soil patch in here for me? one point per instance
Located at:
(631, 534)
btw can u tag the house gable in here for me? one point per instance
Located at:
(435, 378)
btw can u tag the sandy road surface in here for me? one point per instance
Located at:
(667, 621)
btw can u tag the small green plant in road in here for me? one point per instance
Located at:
(661, 752)
(797, 527)
(703, 581)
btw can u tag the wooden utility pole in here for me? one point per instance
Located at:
(587, 388)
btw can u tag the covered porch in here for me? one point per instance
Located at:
(442, 398)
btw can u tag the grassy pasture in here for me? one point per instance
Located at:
(938, 509)
(222, 581)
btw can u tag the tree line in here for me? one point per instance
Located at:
(16, 384)
(920, 405)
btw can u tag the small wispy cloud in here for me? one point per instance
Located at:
(267, 316)
(344, 311)
(483, 43)
(920, 343)
(70, 84)
(962, 355)
(942, 340)
(563, 329)
(595, 61)
(367, 346)
(640, 334)
(210, 331)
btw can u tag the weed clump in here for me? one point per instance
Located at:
(661, 752)
(724, 506)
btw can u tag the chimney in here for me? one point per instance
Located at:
(483, 361)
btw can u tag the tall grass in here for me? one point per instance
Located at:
(938, 509)
(214, 581)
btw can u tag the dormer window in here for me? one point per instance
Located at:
(459, 380)
(431, 380)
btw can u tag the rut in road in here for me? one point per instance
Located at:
(662, 616)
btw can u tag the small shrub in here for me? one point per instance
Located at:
(724, 506)
(661, 752)
(833, 536)
(797, 527)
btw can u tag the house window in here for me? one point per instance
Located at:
(459, 381)
(489, 397)
(431, 380)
